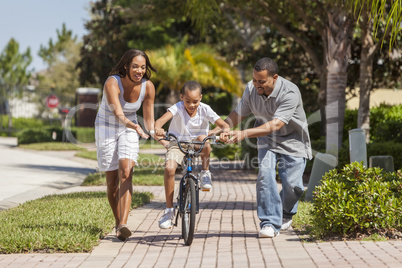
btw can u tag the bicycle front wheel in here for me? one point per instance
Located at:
(189, 211)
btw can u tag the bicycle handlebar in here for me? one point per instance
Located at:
(202, 143)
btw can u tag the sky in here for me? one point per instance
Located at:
(33, 22)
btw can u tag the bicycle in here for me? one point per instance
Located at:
(188, 196)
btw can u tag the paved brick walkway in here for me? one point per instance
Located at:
(226, 236)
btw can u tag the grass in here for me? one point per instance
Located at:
(143, 159)
(147, 175)
(72, 222)
(47, 146)
(302, 221)
(150, 144)
(149, 171)
(59, 223)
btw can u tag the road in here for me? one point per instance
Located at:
(27, 174)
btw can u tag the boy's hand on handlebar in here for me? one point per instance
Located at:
(159, 135)
(159, 132)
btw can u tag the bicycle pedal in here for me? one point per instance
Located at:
(206, 190)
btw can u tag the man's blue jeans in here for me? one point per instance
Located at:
(271, 205)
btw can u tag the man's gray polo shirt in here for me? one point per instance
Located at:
(284, 103)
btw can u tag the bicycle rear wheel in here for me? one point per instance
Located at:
(189, 211)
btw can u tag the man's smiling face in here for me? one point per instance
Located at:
(263, 82)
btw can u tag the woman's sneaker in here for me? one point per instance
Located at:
(166, 221)
(205, 179)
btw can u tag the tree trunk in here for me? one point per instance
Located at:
(322, 100)
(366, 76)
(10, 122)
(339, 36)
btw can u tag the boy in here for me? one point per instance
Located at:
(190, 121)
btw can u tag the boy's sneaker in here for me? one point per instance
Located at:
(166, 221)
(205, 178)
(286, 223)
(267, 231)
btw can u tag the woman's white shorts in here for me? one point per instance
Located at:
(113, 145)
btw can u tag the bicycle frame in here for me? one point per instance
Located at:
(190, 153)
(188, 196)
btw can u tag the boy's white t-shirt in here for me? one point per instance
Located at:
(188, 128)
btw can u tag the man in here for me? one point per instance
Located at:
(283, 143)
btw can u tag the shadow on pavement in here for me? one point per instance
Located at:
(78, 170)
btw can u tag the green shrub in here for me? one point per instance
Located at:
(373, 149)
(357, 200)
(226, 151)
(22, 123)
(25, 123)
(389, 131)
(386, 123)
(83, 134)
(386, 148)
(45, 134)
(33, 135)
(349, 123)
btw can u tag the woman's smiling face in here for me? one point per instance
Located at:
(138, 68)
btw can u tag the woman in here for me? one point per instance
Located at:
(117, 130)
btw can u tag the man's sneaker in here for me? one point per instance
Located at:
(166, 221)
(205, 178)
(286, 223)
(267, 231)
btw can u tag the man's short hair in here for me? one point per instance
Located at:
(266, 64)
(191, 86)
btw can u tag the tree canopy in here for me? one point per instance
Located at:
(14, 73)
(61, 57)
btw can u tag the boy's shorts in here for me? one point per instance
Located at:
(111, 147)
(174, 153)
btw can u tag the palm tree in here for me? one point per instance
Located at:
(371, 14)
(333, 19)
(180, 63)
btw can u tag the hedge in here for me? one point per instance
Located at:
(357, 200)
(46, 134)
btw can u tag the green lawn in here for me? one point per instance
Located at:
(71, 222)
(59, 223)
(143, 159)
(147, 175)
(47, 146)
(150, 144)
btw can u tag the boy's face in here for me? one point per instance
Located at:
(191, 101)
